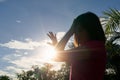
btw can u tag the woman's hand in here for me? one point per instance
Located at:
(53, 38)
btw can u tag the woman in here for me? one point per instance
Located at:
(88, 57)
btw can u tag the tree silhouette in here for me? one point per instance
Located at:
(112, 30)
(45, 73)
(4, 77)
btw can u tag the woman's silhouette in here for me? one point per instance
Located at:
(88, 57)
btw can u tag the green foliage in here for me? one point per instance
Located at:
(4, 77)
(113, 22)
(113, 49)
(45, 73)
(28, 75)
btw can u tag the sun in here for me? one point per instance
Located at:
(48, 53)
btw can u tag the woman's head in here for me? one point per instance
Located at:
(89, 23)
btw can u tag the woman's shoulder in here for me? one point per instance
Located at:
(90, 46)
(93, 46)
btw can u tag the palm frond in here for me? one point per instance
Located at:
(114, 38)
(113, 20)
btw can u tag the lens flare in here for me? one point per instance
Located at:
(48, 53)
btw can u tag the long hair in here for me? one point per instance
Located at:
(91, 24)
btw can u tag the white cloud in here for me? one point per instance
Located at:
(13, 69)
(6, 73)
(18, 21)
(19, 62)
(26, 62)
(21, 58)
(3, 72)
(28, 44)
(10, 71)
(60, 35)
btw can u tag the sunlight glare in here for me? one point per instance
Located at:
(48, 53)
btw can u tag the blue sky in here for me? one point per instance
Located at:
(24, 24)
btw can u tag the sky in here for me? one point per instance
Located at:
(25, 23)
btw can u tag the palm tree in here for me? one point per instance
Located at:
(112, 31)
(112, 24)
(113, 57)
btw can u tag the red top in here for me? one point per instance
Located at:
(92, 68)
